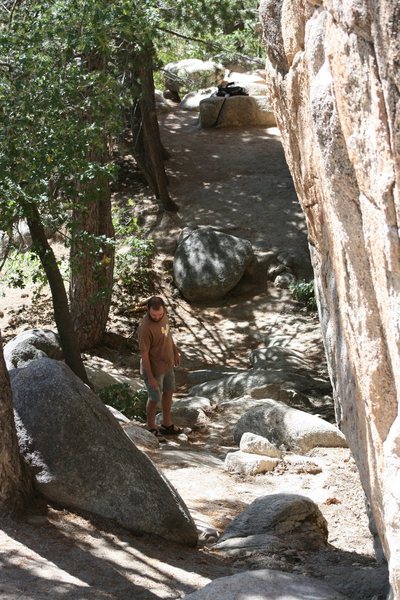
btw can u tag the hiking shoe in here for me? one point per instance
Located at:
(170, 430)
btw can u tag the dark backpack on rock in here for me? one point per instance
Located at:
(230, 89)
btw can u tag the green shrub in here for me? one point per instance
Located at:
(23, 268)
(303, 292)
(123, 398)
(134, 250)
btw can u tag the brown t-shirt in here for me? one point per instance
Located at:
(155, 338)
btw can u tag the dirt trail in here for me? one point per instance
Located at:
(236, 180)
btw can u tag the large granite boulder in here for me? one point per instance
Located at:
(117, 414)
(334, 80)
(208, 263)
(191, 101)
(202, 375)
(253, 83)
(287, 395)
(239, 384)
(190, 413)
(20, 237)
(82, 459)
(296, 430)
(192, 74)
(277, 357)
(162, 104)
(100, 379)
(266, 584)
(275, 522)
(31, 345)
(236, 111)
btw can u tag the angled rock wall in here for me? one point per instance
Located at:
(334, 78)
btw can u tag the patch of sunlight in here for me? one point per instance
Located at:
(120, 553)
(229, 323)
(39, 567)
(274, 131)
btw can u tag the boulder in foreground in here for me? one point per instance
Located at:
(274, 523)
(82, 460)
(266, 584)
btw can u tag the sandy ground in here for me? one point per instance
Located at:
(237, 181)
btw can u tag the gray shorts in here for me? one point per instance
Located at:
(166, 383)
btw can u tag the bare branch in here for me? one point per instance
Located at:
(14, 6)
(192, 39)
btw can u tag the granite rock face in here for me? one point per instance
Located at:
(333, 77)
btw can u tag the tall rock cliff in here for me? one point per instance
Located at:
(334, 78)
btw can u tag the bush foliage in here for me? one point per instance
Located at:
(123, 398)
(303, 292)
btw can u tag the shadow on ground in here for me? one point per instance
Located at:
(66, 556)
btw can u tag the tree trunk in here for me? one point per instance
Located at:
(92, 253)
(146, 132)
(92, 267)
(62, 315)
(139, 147)
(16, 488)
